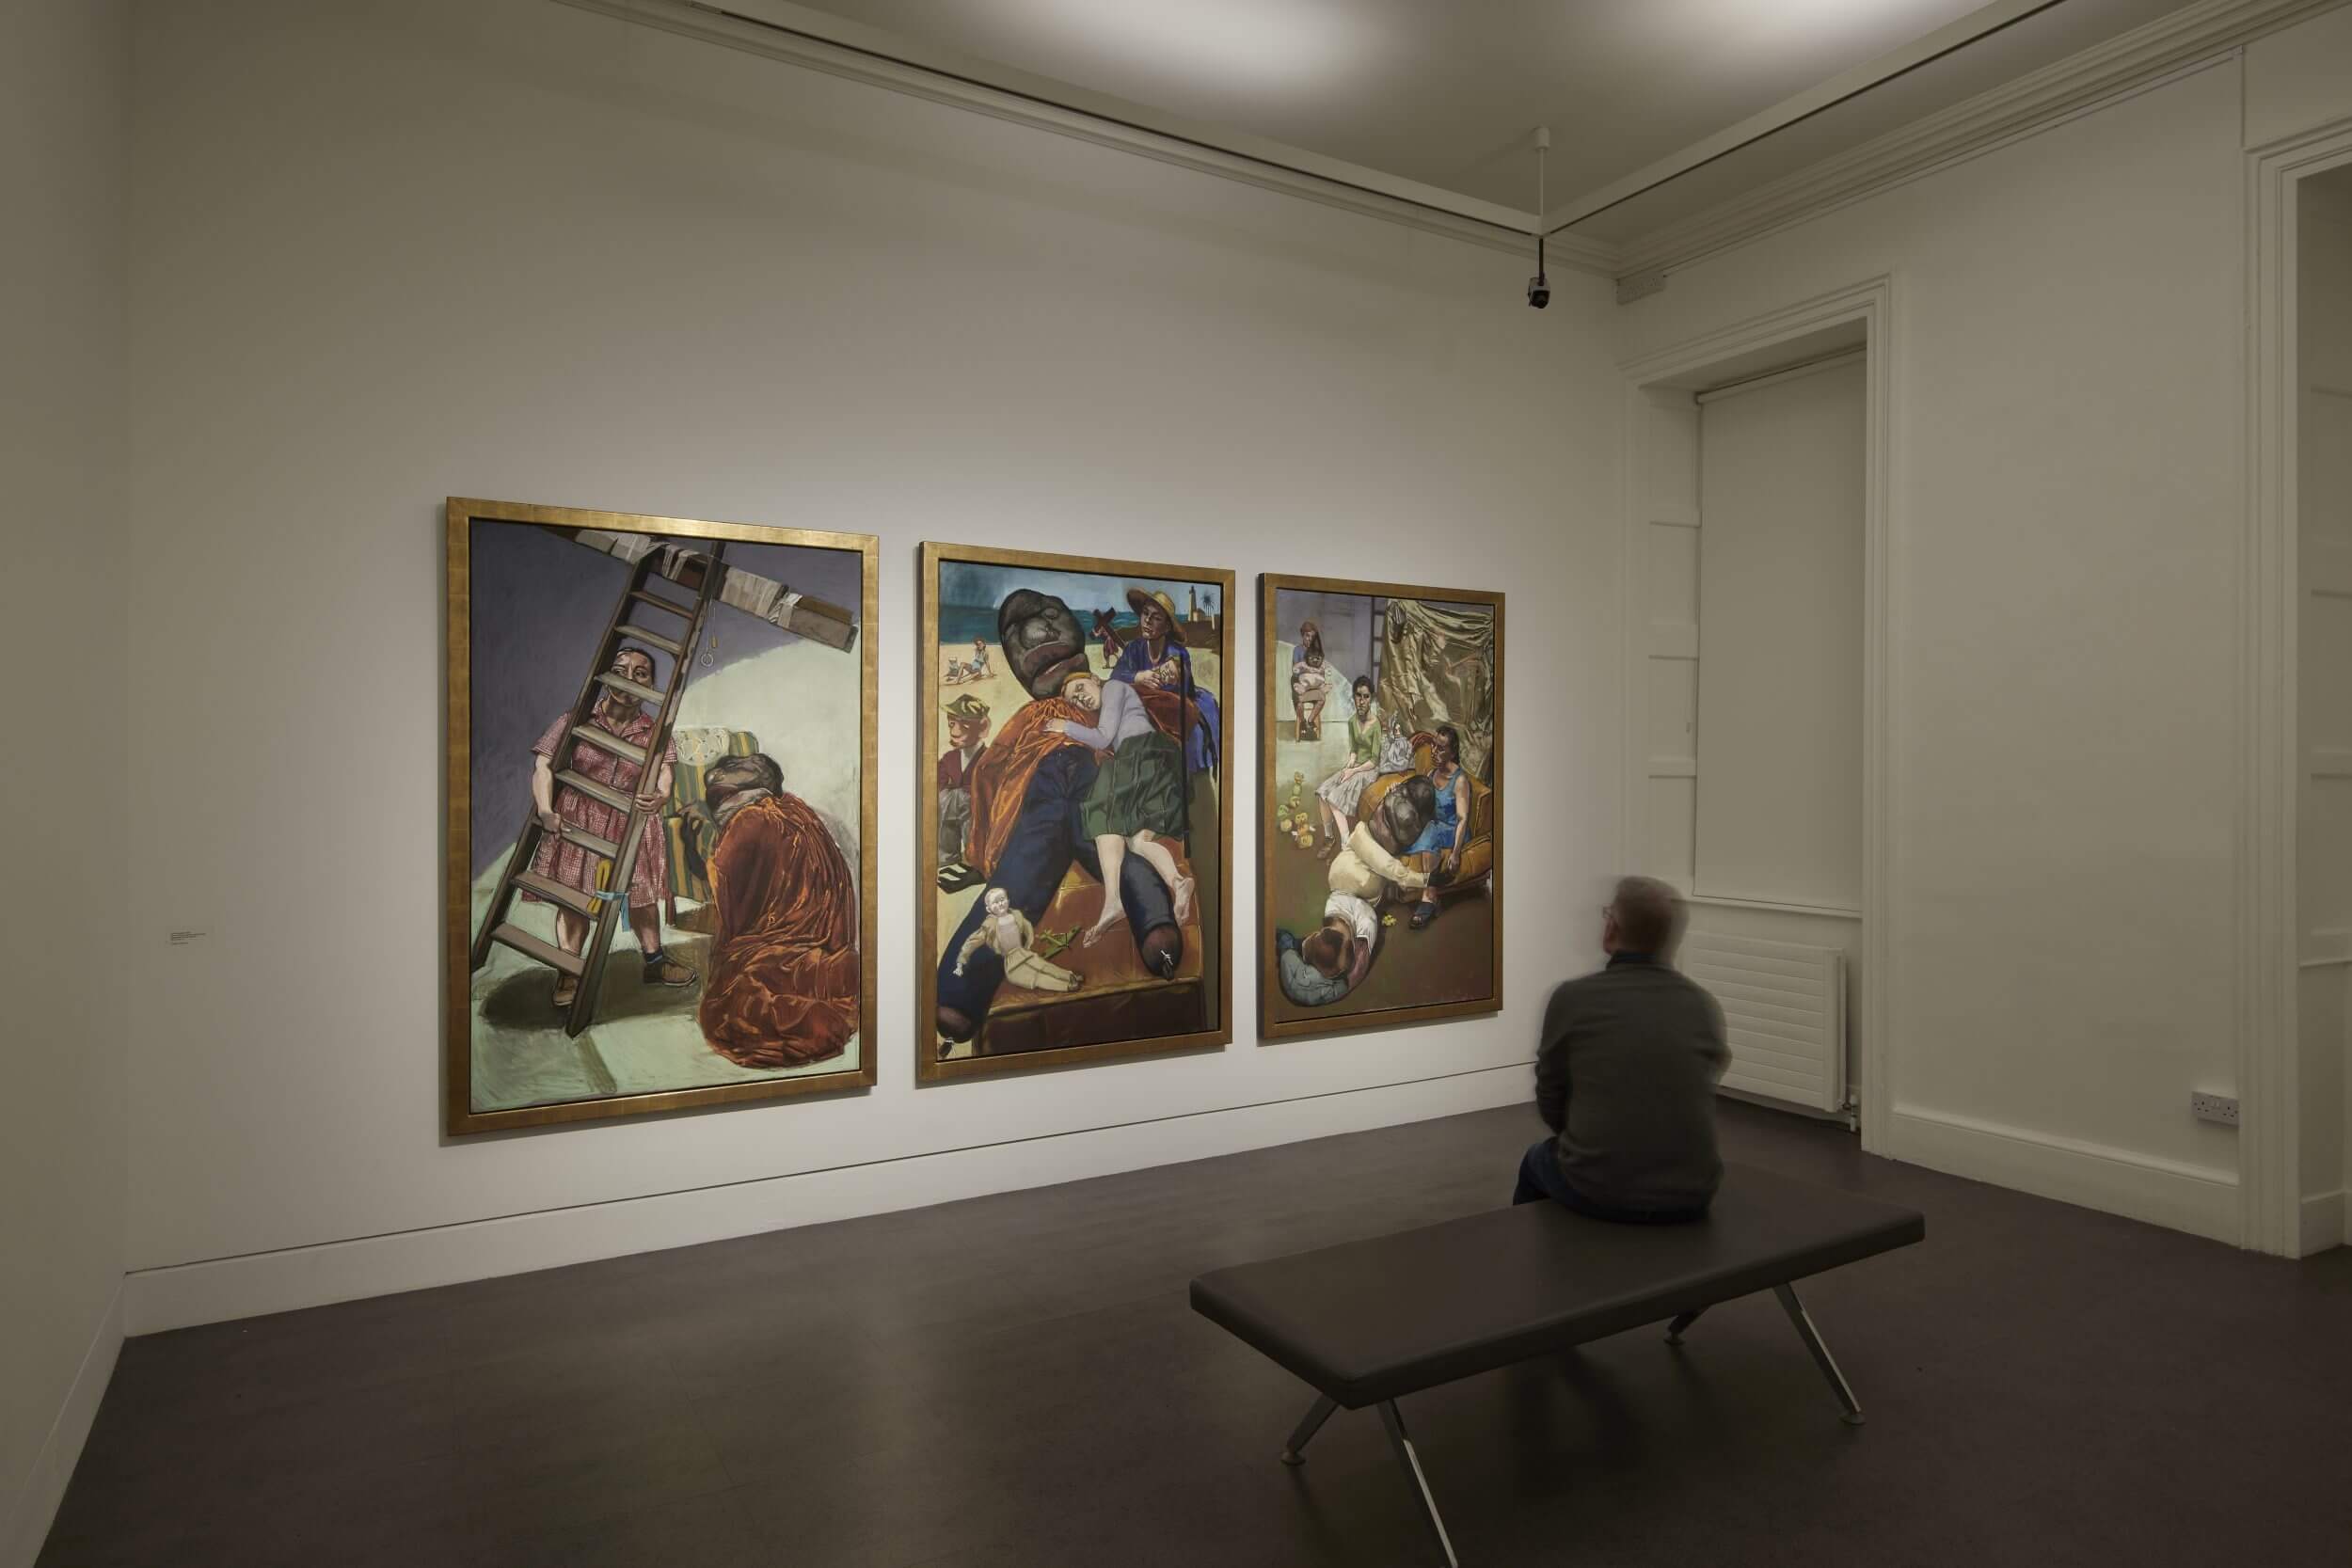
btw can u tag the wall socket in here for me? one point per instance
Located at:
(2220, 1108)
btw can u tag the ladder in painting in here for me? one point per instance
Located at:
(603, 911)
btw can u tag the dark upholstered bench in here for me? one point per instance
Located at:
(1367, 1321)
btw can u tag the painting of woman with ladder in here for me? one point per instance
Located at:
(661, 813)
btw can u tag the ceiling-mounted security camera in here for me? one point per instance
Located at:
(1539, 287)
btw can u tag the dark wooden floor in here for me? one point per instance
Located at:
(1016, 1380)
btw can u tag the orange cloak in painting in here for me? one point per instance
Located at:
(1001, 777)
(783, 965)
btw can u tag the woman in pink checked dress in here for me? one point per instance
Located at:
(558, 804)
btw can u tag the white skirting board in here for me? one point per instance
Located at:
(2199, 1199)
(26, 1523)
(280, 1281)
(2327, 1222)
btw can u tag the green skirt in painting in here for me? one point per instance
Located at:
(1142, 787)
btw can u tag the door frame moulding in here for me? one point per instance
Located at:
(1870, 304)
(2268, 947)
(815, 40)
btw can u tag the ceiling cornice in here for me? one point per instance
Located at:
(2194, 34)
(796, 36)
(1977, 24)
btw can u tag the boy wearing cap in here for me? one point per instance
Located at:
(967, 737)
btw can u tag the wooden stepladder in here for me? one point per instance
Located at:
(606, 911)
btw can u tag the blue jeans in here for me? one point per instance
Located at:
(1540, 1178)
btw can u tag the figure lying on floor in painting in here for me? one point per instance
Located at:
(1139, 794)
(1006, 932)
(1335, 959)
(784, 970)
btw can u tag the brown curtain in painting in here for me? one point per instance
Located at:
(1441, 669)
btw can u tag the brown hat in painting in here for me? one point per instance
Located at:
(1042, 641)
(966, 707)
(1139, 597)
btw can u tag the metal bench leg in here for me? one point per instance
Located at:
(1393, 1420)
(1821, 1357)
(1682, 1320)
(1294, 1451)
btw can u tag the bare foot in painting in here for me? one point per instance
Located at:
(1115, 915)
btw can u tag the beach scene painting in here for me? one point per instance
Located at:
(1380, 814)
(661, 876)
(1073, 882)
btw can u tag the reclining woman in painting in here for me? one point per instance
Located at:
(1141, 793)
(784, 970)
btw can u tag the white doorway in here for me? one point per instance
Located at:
(2323, 707)
(1756, 554)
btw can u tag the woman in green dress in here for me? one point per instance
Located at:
(1337, 796)
(1139, 794)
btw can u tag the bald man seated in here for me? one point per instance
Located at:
(1624, 1076)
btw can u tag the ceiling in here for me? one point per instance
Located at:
(1446, 93)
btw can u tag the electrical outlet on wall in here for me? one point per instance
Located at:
(2221, 1108)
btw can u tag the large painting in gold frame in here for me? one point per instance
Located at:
(1380, 857)
(659, 865)
(1040, 778)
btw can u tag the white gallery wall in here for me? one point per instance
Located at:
(64, 66)
(2066, 506)
(389, 252)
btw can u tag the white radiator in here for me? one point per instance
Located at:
(1784, 1012)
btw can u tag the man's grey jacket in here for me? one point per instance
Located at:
(1625, 1077)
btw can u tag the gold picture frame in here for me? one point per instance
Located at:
(1279, 1017)
(1214, 951)
(464, 517)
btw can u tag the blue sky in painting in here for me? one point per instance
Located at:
(971, 584)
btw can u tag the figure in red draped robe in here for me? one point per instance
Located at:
(783, 988)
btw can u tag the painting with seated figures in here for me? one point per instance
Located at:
(1380, 807)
